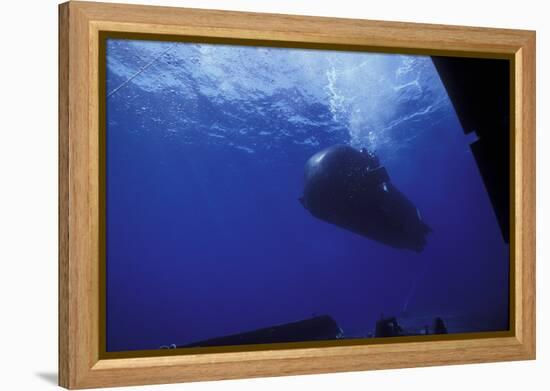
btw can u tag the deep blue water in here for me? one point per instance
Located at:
(206, 146)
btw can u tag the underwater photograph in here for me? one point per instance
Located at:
(270, 195)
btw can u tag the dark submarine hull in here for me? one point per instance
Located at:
(479, 89)
(348, 188)
(318, 328)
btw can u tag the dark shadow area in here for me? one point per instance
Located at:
(48, 377)
(314, 329)
(480, 92)
(317, 328)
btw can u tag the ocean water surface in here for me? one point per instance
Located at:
(205, 153)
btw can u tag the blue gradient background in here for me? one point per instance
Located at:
(206, 146)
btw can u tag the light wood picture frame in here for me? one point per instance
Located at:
(83, 364)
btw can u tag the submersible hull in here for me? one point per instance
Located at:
(349, 188)
(317, 328)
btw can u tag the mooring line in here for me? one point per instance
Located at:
(141, 70)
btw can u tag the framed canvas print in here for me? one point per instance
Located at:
(248, 195)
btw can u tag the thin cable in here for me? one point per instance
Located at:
(141, 70)
(412, 292)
